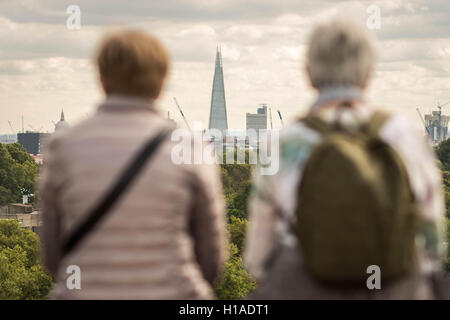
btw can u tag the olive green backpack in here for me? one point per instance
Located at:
(355, 206)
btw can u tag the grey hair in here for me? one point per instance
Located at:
(340, 53)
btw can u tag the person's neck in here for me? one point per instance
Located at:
(134, 100)
(334, 95)
(114, 102)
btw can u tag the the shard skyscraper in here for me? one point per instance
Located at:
(218, 111)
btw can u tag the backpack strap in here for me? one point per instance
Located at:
(99, 211)
(316, 123)
(376, 122)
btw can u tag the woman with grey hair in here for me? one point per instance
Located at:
(341, 197)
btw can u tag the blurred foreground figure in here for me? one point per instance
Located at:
(165, 236)
(356, 209)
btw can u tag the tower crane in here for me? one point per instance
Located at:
(32, 128)
(423, 121)
(270, 115)
(182, 114)
(440, 106)
(12, 129)
(281, 118)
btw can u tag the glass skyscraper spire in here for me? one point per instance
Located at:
(218, 111)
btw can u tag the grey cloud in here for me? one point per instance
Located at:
(415, 19)
(261, 42)
(117, 11)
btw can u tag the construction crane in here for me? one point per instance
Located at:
(32, 128)
(423, 121)
(281, 118)
(440, 106)
(270, 115)
(182, 114)
(12, 129)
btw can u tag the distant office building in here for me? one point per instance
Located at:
(437, 125)
(24, 213)
(218, 111)
(32, 141)
(8, 138)
(258, 120)
(15, 208)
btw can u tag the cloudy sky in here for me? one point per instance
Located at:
(44, 66)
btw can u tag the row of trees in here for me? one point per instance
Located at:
(443, 153)
(18, 173)
(23, 277)
(236, 283)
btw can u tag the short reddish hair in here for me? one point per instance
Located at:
(132, 63)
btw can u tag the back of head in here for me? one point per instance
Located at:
(132, 63)
(340, 54)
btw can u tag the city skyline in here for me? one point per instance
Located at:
(263, 46)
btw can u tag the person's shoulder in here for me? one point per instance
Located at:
(393, 117)
(403, 136)
(64, 137)
(298, 130)
(55, 141)
(398, 125)
(76, 129)
(295, 137)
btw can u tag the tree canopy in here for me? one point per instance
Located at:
(18, 173)
(443, 153)
(21, 273)
(236, 283)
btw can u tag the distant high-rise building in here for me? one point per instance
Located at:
(218, 111)
(437, 125)
(258, 120)
(32, 141)
(8, 138)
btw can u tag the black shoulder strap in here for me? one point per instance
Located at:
(118, 189)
